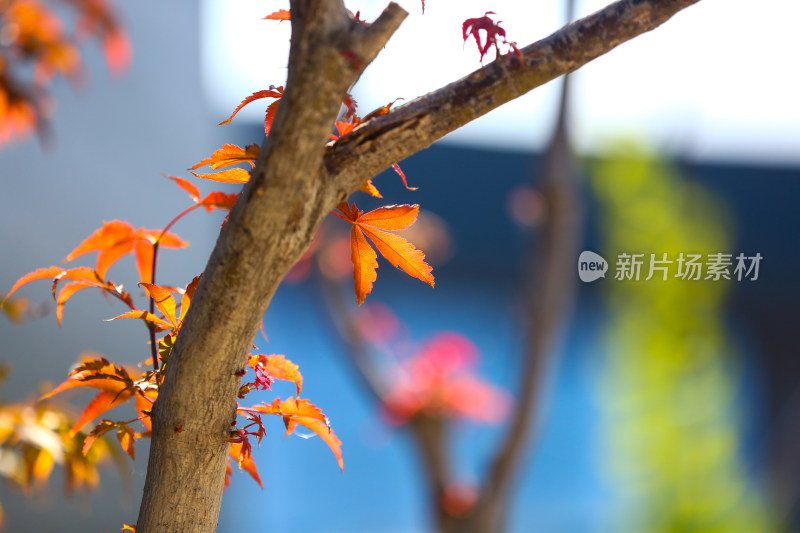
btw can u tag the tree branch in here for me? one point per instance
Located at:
(354, 345)
(428, 432)
(268, 228)
(407, 129)
(548, 299)
(296, 182)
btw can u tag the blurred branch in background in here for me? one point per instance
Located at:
(548, 295)
(36, 46)
(672, 369)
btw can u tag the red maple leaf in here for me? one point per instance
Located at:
(440, 380)
(274, 367)
(495, 35)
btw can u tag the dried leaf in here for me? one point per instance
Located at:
(380, 111)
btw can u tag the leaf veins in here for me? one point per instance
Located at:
(375, 226)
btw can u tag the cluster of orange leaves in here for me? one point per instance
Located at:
(434, 384)
(117, 384)
(35, 438)
(34, 38)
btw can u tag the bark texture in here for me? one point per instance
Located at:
(296, 182)
(268, 229)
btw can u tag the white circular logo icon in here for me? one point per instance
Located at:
(591, 266)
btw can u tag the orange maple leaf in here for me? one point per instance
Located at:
(117, 238)
(395, 249)
(380, 111)
(114, 382)
(230, 154)
(150, 318)
(343, 128)
(272, 92)
(278, 367)
(306, 414)
(369, 188)
(245, 462)
(213, 200)
(186, 299)
(125, 435)
(165, 302)
(234, 175)
(98, 17)
(81, 277)
(281, 14)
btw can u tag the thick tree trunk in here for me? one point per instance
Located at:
(296, 182)
(268, 229)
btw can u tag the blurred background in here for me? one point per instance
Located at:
(665, 406)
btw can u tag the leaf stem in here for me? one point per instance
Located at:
(172, 223)
(334, 213)
(150, 326)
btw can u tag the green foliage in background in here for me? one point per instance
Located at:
(671, 383)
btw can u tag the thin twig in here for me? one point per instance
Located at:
(150, 326)
(548, 299)
(429, 432)
(356, 347)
